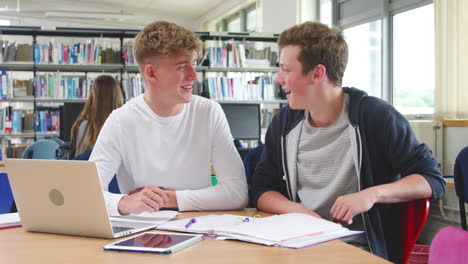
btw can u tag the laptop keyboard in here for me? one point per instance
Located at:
(119, 226)
(118, 229)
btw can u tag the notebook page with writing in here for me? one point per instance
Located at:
(204, 224)
(279, 228)
(9, 220)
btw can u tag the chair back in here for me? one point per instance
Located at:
(449, 245)
(413, 219)
(250, 161)
(42, 149)
(6, 196)
(460, 173)
(113, 185)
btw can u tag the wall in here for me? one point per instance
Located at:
(208, 21)
(445, 211)
(277, 15)
(90, 23)
(455, 138)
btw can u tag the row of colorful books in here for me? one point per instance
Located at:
(56, 85)
(234, 54)
(13, 51)
(241, 86)
(47, 120)
(94, 51)
(133, 85)
(16, 120)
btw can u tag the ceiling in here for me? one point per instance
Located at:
(114, 13)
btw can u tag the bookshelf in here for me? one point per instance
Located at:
(53, 51)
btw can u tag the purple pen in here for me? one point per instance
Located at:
(193, 220)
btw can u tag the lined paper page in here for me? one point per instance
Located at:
(280, 228)
(204, 224)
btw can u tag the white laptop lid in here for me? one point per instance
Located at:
(60, 196)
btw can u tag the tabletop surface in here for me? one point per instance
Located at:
(20, 246)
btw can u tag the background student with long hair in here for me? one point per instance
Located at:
(105, 96)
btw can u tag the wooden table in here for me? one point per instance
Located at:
(20, 246)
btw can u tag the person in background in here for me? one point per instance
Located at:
(336, 152)
(105, 97)
(163, 143)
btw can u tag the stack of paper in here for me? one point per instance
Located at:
(9, 220)
(288, 230)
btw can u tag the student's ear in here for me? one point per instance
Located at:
(150, 72)
(319, 73)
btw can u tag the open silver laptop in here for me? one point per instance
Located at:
(63, 197)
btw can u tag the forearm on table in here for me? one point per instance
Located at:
(274, 202)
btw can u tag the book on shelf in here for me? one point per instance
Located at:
(12, 52)
(22, 88)
(16, 121)
(9, 220)
(133, 85)
(267, 115)
(127, 53)
(4, 84)
(293, 230)
(47, 120)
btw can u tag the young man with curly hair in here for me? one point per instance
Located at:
(163, 144)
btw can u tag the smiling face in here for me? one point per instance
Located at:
(174, 77)
(291, 77)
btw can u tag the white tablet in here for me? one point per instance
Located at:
(162, 243)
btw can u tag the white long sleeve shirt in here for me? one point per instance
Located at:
(174, 153)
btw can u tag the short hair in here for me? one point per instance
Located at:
(164, 38)
(319, 45)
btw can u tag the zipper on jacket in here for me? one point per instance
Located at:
(359, 149)
(285, 167)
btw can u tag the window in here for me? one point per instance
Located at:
(244, 20)
(364, 63)
(251, 20)
(414, 61)
(326, 12)
(396, 60)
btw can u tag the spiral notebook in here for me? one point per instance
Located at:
(9, 220)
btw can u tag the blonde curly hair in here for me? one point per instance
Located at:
(163, 38)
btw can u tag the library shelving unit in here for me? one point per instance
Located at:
(48, 58)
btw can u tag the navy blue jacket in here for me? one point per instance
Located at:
(390, 151)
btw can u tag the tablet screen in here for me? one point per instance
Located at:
(154, 240)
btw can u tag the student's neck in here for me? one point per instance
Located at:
(327, 110)
(160, 107)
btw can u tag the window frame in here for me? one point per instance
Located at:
(367, 11)
(242, 14)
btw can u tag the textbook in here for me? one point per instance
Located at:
(9, 220)
(293, 230)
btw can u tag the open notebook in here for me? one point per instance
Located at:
(292, 230)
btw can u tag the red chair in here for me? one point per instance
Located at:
(413, 219)
(449, 246)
